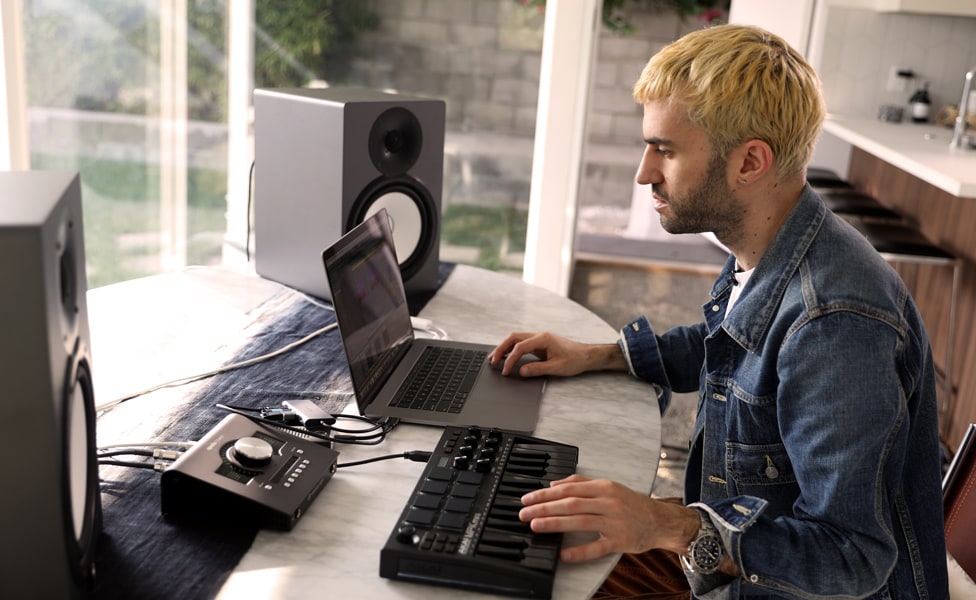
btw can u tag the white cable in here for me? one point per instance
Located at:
(149, 445)
(167, 454)
(427, 326)
(316, 301)
(190, 379)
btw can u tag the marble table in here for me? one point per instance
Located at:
(334, 550)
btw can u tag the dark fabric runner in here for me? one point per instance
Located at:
(142, 555)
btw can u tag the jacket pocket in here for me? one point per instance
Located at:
(763, 471)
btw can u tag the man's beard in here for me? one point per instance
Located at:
(712, 206)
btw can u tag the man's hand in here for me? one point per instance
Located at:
(626, 521)
(558, 355)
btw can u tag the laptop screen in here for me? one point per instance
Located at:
(370, 303)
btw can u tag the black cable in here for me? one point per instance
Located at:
(131, 451)
(371, 439)
(414, 455)
(247, 215)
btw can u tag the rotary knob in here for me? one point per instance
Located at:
(252, 452)
(407, 534)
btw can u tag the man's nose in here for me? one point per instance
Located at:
(647, 170)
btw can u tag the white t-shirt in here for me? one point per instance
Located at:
(741, 277)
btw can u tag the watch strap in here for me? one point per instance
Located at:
(705, 553)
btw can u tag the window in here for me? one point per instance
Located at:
(134, 95)
(129, 94)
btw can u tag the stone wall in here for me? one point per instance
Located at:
(483, 58)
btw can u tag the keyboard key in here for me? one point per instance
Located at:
(440, 380)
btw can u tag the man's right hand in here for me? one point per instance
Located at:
(557, 355)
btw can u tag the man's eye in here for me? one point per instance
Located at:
(663, 151)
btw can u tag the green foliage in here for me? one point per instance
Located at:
(103, 55)
(301, 41)
(86, 58)
(495, 230)
(122, 215)
(614, 11)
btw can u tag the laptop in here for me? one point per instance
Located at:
(386, 360)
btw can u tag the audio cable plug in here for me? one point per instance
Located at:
(280, 414)
(418, 455)
(163, 454)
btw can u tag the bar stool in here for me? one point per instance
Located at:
(841, 197)
(854, 203)
(898, 242)
(822, 178)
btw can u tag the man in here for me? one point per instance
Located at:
(814, 468)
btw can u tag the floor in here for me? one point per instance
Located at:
(668, 293)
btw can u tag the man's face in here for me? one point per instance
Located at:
(689, 185)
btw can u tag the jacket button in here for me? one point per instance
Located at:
(715, 308)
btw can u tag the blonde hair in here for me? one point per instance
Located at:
(739, 83)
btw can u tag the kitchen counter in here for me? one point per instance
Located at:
(919, 149)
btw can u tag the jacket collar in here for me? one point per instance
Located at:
(760, 300)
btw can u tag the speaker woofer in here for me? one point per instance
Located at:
(413, 216)
(82, 503)
(395, 141)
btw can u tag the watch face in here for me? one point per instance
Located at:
(707, 553)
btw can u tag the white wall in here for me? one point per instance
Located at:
(789, 20)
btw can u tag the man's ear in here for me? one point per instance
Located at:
(750, 161)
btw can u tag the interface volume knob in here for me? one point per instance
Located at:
(252, 452)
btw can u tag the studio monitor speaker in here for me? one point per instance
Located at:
(50, 510)
(325, 160)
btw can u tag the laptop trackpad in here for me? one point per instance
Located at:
(511, 402)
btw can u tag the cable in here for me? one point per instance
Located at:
(155, 466)
(157, 453)
(184, 445)
(316, 301)
(250, 195)
(414, 455)
(125, 452)
(102, 408)
(370, 436)
(427, 326)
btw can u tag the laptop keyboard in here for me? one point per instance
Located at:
(441, 380)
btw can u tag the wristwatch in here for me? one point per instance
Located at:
(705, 553)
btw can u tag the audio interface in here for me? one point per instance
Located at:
(246, 470)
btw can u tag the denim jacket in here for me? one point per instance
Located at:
(815, 449)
